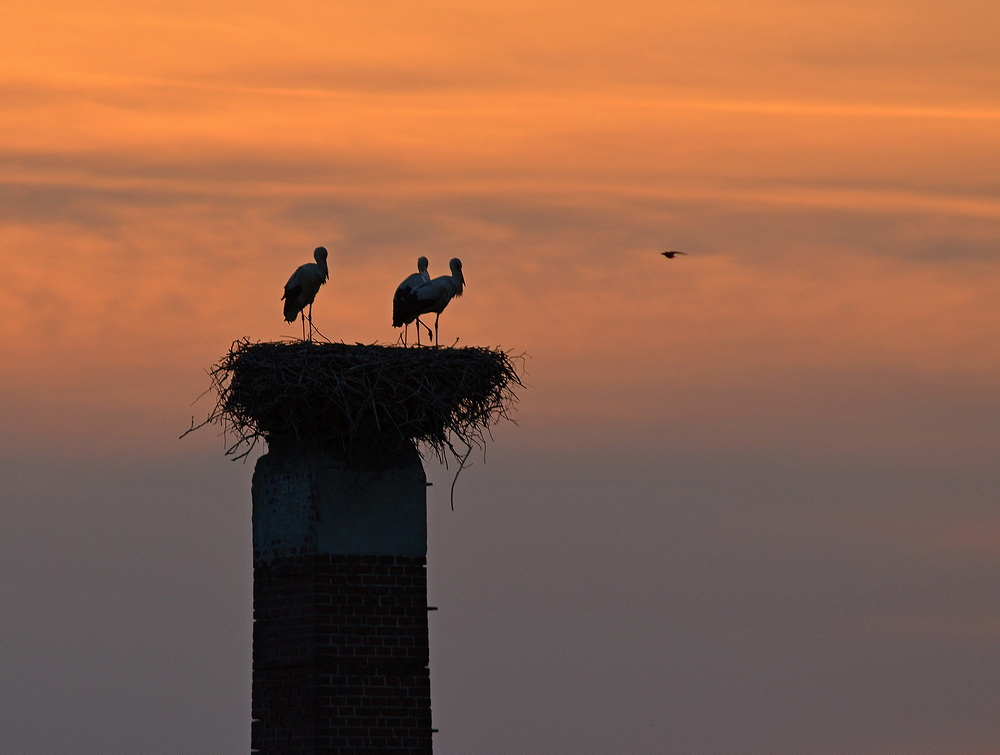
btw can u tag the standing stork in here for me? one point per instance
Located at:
(404, 303)
(435, 295)
(300, 291)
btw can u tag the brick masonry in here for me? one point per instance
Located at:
(340, 660)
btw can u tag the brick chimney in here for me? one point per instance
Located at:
(340, 650)
(340, 656)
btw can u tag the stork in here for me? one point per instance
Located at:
(300, 291)
(404, 304)
(435, 295)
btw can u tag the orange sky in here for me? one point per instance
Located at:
(831, 167)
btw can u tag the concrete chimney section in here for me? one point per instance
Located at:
(340, 650)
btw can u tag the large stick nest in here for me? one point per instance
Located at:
(368, 401)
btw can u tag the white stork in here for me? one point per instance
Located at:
(404, 304)
(435, 295)
(302, 287)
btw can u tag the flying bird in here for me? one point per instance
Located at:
(405, 306)
(671, 255)
(435, 295)
(300, 291)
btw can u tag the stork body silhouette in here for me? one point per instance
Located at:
(301, 289)
(435, 295)
(405, 305)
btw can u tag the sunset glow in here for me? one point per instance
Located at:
(830, 168)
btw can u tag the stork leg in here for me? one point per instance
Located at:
(406, 330)
(436, 318)
(310, 321)
(302, 317)
(419, 323)
(418, 333)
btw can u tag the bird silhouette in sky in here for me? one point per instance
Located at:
(671, 255)
(301, 289)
